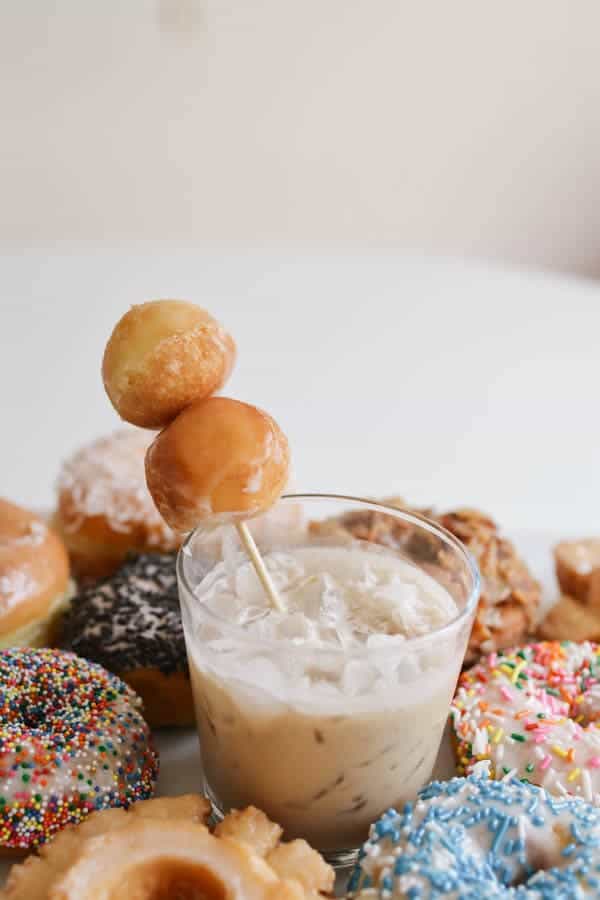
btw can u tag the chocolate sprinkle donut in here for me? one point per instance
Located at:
(130, 620)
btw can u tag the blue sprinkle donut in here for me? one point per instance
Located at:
(474, 838)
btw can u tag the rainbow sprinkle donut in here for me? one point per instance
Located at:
(473, 838)
(71, 741)
(532, 712)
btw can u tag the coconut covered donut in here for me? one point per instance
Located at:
(471, 838)
(72, 741)
(534, 711)
(104, 510)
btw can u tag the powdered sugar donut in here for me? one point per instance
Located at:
(534, 711)
(104, 508)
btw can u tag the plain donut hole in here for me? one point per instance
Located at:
(167, 879)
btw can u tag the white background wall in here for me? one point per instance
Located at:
(442, 382)
(468, 126)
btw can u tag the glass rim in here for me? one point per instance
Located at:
(231, 628)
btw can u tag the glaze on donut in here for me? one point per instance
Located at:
(533, 711)
(72, 741)
(472, 838)
(35, 588)
(220, 459)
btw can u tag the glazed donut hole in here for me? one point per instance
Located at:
(162, 356)
(219, 458)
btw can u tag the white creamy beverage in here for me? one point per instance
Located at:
(332, 711)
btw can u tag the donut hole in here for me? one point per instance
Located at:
(34, 716)
(168, 879)
(543, 854)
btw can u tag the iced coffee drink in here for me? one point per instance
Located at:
(325, 713)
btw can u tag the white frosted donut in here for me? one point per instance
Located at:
(533, 711)
(472, 838)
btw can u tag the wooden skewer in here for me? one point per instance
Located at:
(259, 566)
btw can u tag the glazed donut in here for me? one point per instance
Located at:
(533, 711)
(37, 877)
(471, 838)
(71, 741)
(130, 623)
(104, 509)
(161, 848)
(161, 357)
(34, 579)
(219, 458)
(577, 562)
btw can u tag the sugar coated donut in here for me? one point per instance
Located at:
(130, 623)
(218, 458)
(161, 357)
(534, 711)
(71, 741)
(34, 578)
(104, 510)
(472, 838)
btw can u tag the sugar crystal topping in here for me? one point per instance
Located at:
(106, 478)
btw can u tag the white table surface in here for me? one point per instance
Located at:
(444, 382)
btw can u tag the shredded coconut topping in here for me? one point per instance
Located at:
(107, 478)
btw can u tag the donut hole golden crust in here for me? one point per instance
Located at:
(34, 575)
(104, 510)
(220, 458)
(162, 356)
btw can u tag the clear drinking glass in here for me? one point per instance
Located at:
(322, 739)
